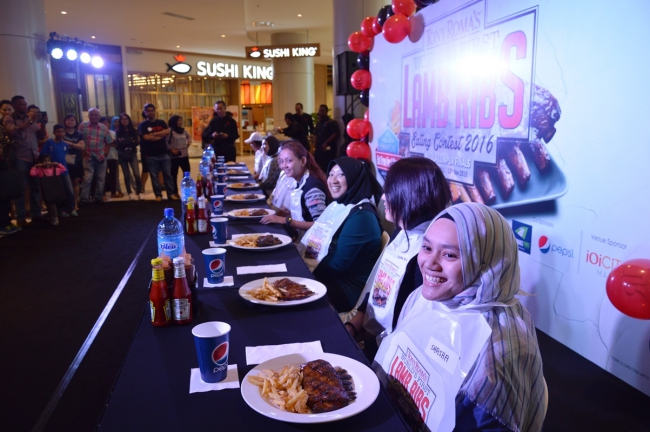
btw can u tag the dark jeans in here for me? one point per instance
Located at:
(155, 165)
(5, 216)
(34, 192)
(112, 176)
(69, 193)
(132, 162)
(184, 164)
(93, 170)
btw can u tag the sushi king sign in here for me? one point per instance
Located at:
(180, 66)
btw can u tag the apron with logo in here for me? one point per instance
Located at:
(314, 245)
(281, 196)
(385, 281)
(425, 361)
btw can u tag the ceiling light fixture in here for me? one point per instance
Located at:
(223, 35)
(92, 37)
(299, 15)
(263, 24)
(64, 13)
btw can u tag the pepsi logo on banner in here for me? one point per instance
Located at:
(220, 353)
(216, 267)
(544, 244)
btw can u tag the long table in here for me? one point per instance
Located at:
(152, 392)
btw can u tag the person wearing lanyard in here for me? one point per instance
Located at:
(469, 262)
(309, 198)
(415, 191)
(342, 246)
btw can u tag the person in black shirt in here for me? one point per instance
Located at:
(222, 132)
(305, 119)
(295, 130)
(153, 136)
(327, 138)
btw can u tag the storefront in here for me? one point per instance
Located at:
(190, 84)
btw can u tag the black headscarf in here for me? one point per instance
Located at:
(360, 179)
(173, 124)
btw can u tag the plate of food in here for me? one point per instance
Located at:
(245, 197)
(235, 172)
(282, 291)
(251, 213)
(231, 163)
(259, 242)
(243, 186)
(310, 388)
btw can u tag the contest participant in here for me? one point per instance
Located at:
(344, 243)
(308, 198)
(222, 131)
(466, 314)
(270, 172)
(415, 191)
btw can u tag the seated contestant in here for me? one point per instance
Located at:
(343, 245)
(466, 313)
(415, 191)
(309, 198)
(270, 172)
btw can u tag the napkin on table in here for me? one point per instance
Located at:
(270, 268)
(214, 245)
(231, 382)
(227, 281)
(237, 177)
(260, 354)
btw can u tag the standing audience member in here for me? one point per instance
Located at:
(295, 130)
(222, 131)
(74, 159)
(25, 132)
(270, 173)
(127, 142)
(97, 139)
(7, 162)
(179, 143)
(42, 120)
(255, 141)
(57, 150)
(305, 119)
(112, 170)
(309, 197)
(327, 138)
(46, 168)
(153, 136)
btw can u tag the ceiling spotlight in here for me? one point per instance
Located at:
(223, 35)
(299, 15)
(92, 37)
(57, 53)
(64, 13)
(71, 54)
(97, 61)
(178, 46)
(84, 57)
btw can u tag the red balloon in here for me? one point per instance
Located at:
(358, 150)
(358, 42)
(396, 28)
(357, 128)
(376, 26)
(361, 79)
(628, 288)
(366, 115)
(404, 7)
(367, 28)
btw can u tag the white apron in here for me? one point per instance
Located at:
(384, 282)
(281, 196)
(295, 205)
(314, 245)
(425, 361)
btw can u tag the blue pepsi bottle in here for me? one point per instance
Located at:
(171, 241)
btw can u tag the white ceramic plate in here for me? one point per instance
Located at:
(234, 187)
(313, 285)
(283, 238)
(259, 197)
(238, 173)
(234, 214)
(366, 386)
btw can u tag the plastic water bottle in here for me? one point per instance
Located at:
(188, 189)
(211, 150)
(204, 166)
(171, 241)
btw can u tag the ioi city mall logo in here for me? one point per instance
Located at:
(220, 357)
(545, 247)
(523, 235)
(216, 267)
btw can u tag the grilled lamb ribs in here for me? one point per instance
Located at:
(328, 388)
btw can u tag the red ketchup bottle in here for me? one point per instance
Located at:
(159, 301)
(199, 186)
(209, 186)
(190, 218)
(182, 296)
(201, 217)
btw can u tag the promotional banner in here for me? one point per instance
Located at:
(537, 109)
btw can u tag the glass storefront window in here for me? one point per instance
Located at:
(103, 93)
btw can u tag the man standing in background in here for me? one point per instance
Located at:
(222, 131)
(305, 119)
(327, 138)
(97, 139)
(25, 131)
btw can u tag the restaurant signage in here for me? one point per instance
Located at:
(283, 51)
(232, 70)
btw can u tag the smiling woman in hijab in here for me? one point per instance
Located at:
(466, 313)
(342, 246)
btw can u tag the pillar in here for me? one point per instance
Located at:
(25, 68)
(293, 79)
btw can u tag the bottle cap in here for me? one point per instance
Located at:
(169, 212)
(179, 262)
(157, 261)
(186, 173)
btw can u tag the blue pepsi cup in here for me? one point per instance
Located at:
(216, 204)
(221, 188)
(221, 178)
(215, 264)
(221, 170)
(219, 230)
(212, 342)
(219, 164)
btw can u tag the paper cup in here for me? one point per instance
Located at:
(221, 178)
(212, 342)
(221, 170)
(216, 203)
(221, 188)
(215, 264)
(219, 230)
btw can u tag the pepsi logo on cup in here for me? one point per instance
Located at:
(218, 206)
(220, 357)
(216, 268)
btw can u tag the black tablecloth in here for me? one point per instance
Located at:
(152, 392)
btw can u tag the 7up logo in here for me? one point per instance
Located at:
(523, 235)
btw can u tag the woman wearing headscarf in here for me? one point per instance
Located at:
(466, 333)
(270, 171)
(342, 246)
(178, 143)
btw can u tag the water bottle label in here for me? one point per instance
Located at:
(168, 247)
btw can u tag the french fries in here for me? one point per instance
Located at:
(266, 292)
(282, 389)
(247, 240)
